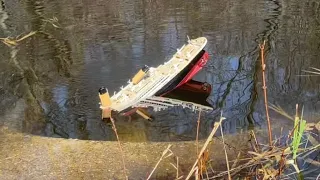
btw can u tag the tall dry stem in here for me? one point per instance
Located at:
(161, 158)
(120, 147)
(264, 87)
(225, 153)
(197, 142)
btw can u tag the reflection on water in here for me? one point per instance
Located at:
(103, 43)
(60, 96)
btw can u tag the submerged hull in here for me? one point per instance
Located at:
(192, 91)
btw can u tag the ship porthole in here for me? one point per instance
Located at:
(205, 86)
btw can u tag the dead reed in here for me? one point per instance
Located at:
(226, 154)
(120, 147)
(215, 128)
(163, 156)
(264, 87)
(271, 161)
(11, 42)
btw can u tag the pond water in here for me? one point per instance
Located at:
(49, 82)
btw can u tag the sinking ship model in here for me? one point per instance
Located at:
(170, 84)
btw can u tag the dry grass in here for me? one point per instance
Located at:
(273, 160)
(215, 128)
(276, 159)
(11, 42)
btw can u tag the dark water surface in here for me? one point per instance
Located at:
(49, 81)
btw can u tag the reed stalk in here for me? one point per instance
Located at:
(120, 147)
(264, 87)
(225, 153)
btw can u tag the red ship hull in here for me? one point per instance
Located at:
(186, 74)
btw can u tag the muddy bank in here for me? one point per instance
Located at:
(48, 83)
(25, 156)
(32, 157)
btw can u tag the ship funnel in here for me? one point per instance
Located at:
(105, 102)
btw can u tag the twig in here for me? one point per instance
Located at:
(236, 161)
(251, 163)
(226, 155)
(255, 145)
(215, 128)
(161, 158)
(255, 140)
(211, 168)
(120, 147)
(26, 36)
(279, 110)
(281, 129)
(197, 174)
(11, 42)
(207, 174)
(264, 87)
(176, 167)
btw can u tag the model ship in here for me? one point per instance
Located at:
(170, 84)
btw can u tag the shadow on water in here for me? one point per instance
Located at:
(51, 79)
